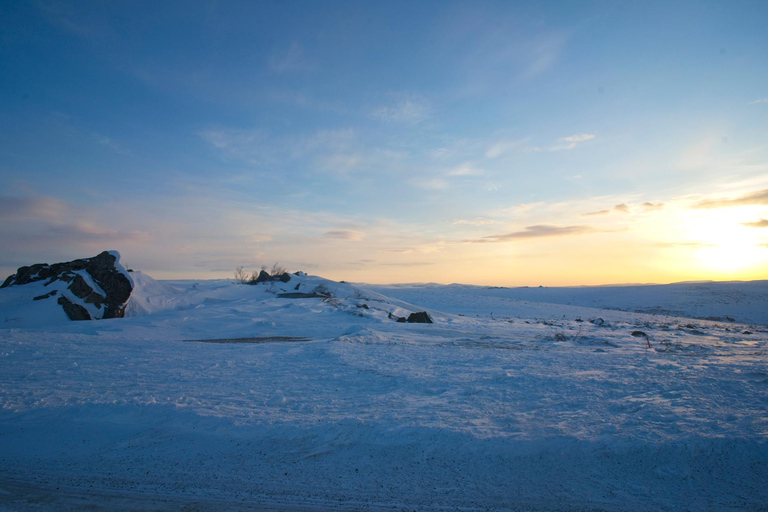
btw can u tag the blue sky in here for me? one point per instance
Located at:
(486, 142)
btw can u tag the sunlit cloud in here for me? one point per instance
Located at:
(621, 208)
(756, 198)
(649, 207)
(352, 236)
(762, 223)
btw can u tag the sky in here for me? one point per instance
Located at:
(495, 143)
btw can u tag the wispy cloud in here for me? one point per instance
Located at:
(474, 222)
(291, 60)
(408, 264)
(504, 147)
(592, 214)
(407, 110)
(343, 234)
(755, 198)
(538, 231)
(466, 170)
(623, 208)
(761, 100)
(762, 223)
(111, 144)
(571, 141)
(31, 207)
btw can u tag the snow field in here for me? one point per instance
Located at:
(531, 412)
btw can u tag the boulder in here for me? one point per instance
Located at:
(264, 277)
(419, 318)
(89, 288)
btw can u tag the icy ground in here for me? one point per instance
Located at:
(506, 402)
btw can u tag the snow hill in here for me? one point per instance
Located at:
(308, 394)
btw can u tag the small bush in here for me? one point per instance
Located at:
(241, 275)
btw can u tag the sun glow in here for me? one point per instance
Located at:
(727, 244)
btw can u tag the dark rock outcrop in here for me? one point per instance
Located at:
(100, 281)
(419, 318)
(264, 277)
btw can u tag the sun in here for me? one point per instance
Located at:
(732, 257)
(727, 245)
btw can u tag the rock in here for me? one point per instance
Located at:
(285, 277)
(419, 318)
(99, 281)
(74, 311)
(264, 277)
(401, 320)
(639, 334)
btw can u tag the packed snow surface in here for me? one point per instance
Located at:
(307, 395)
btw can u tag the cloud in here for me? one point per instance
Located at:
(111, 144)
(466, 170)
(572, 141)
(407, 264)
(31, 207)
(431, 183)
(408, 110)
(538, 231)
(343, 234)
(761, 100)
(755, 198)
(474, 222)
(623, 208)
(291, 60)
(668, 245)
(501, 148)
(762, 223)
(579, 137)
(648, 207)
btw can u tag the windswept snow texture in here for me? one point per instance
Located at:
(501, 404)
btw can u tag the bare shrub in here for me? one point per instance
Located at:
(277, 270)
(241, 275)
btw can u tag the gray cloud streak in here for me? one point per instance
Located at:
(755, 198)
(537, 231)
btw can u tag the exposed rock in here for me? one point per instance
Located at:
(100, 281)
(264, 277)
(74, 311)
(419, 318)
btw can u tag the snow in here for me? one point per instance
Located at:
(506, 402)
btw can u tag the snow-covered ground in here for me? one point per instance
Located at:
(514, 399)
